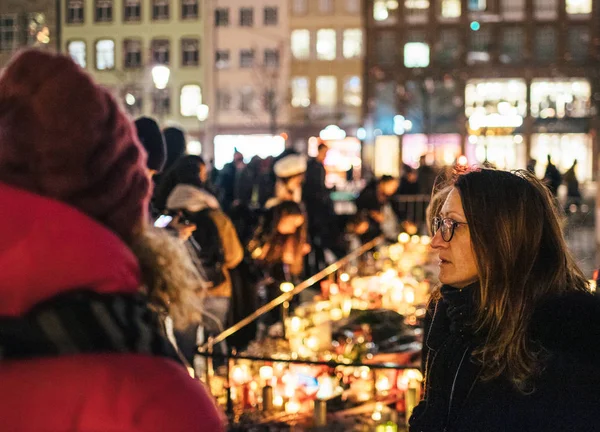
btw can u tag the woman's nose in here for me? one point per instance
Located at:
(437, 241)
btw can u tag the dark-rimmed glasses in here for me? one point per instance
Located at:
(447, 226)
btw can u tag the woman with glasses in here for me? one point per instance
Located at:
(512, 336)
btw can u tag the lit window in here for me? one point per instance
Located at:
(105, 54)
(352, 43)
(545, 9)
(189, 9)
(246, 58)
(352, 91)
(160, 10)
(416, 55)
(222, 17)
(161, 102)
(8, 32)
(326, 46)
(545, 44)
(271, 58)
(578, 43)
(132, 11)
(326, 91)
(560, 98)
(326, 6)
(497, 103)
(300, 92)
(190, 52)
(132, 53)
(271, 16)
(77, 52)
(385, 11)
(190, 99)
(104, 10)
(353, 6)
(246, 17)
(451, 8)
(579, 7)
(75, 11)
(246, 100)
(477, 5)
(300, 44)
(222, 59)
(299, 7)
(416, 11)
(161, 51)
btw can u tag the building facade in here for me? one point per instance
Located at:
(503, 81)
(119, 42)
(248, 77)
(27, 23)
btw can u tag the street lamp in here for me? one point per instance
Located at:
(160, 76)
(202, 112)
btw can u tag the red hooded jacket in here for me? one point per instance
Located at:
(47, 248)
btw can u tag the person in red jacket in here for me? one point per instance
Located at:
(80, 348)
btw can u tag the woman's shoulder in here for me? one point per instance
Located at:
(569, 325)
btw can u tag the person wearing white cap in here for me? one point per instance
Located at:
(290, 172)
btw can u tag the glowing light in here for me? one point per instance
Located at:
(415, 239)
(336, 314)
(130, 99)
(376, 416)
(383, 384)
(361, 133)
(295, 324)
(334, 289)
(404, 238)
(286, 287)
(425, 240)
(332, 133)
(160, 76)
(278, 401)
(202, 112)
(475, 26)
(344, 277)
(292, 407)
(266, 373)
(518, 139)
(313, 343)
(462, 160)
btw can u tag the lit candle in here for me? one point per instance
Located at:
(286, 287)
(238, 375)
(347, 307)
(404, 238)
(312, 343)
(383, 384)
(415, 239)
(267, 395)
(278, 401)
(344, 277)
(296, 324)
(334, 289)
(336, 314)
(266, 373)
(292, 407)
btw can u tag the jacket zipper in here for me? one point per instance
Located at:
(453, 388)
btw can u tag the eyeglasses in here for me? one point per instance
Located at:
(447, 226)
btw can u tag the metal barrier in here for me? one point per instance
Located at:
(412, 208)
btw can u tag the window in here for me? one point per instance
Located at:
(222, 17)
(386, 48)
(326, 6)
(223, 100)
(479, 46)
(578, 44)
(132, 10)
(134, 101)
(555, 98)
(8, 32)
(222, 59)
(353, 6)
(352, 43)
(326, 44)
(416, 11)
(451, 9)
(271, 58)
(76, 50)
(352, 91)
(190, 99)
(545, 9)
(300, 40)
(160, 10)
(246, 100)
(161, 50)
(579, 7)
(132, 50)
(385, 11)
(161, 102)
(447, 48)
(513, 9)
(105, 54)
(300, 92)
(299, 7)
(75, 11)
(246, 17)
(416, 55)
(326, 91)
(270, 16)
(477, 5)
(246, 58)
(189, 9)
(545, 42)
(513, 41)
(103, 10)
(190, 52)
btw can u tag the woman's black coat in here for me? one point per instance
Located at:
(567, 395)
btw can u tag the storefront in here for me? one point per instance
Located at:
(439, 149)
(564, 150)
(343, 158)
(504, 152)
(249, 145)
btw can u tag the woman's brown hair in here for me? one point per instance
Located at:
(522, 258)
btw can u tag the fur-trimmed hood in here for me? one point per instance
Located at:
(569, 324)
